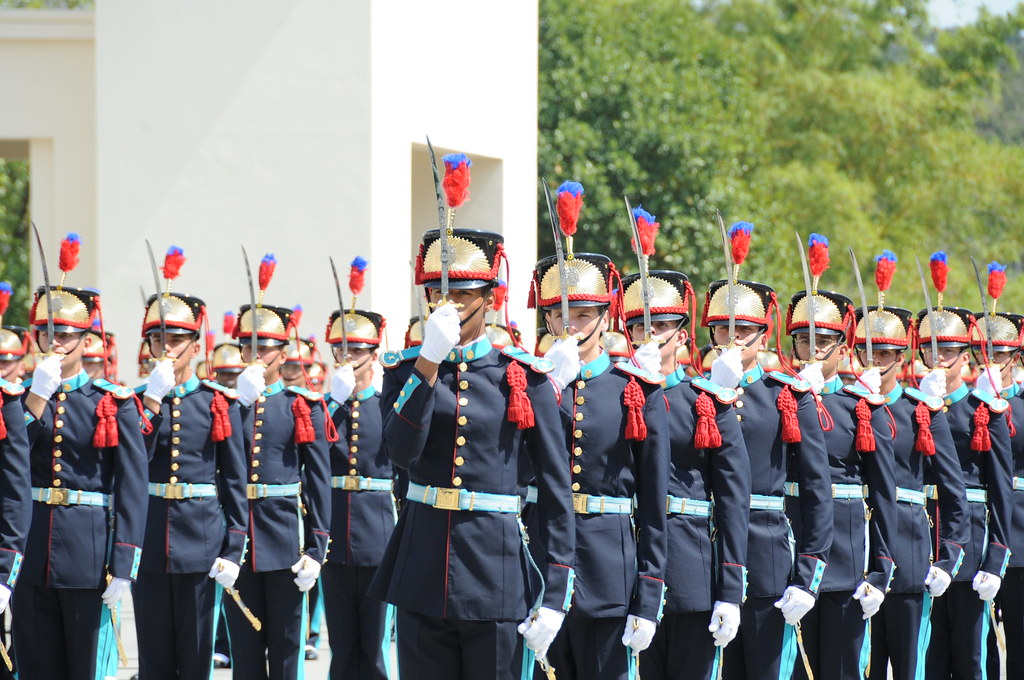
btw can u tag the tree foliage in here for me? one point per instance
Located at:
(14, 228)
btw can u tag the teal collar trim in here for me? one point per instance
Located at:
(893, 396)
(72, 384)
(363, 395)
(595, 367)
(472, 351)
(957, 394)
(752, 376)
(187, 387)
(274, 389)
(1011, 391)
(674, 378)
(832, 386)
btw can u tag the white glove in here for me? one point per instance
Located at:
(727, 368)
(934, 383)
(539, 630)
(648, 357)
(937, 581)
(5, 597)
(812, 373)
(872, 379)
(343, 383)
(794, 604)
(725, 622)
(565, 355)
(870, 599)
(161, 380)
(224, 572)
(115, 591)
(251, 383)
(638, 634)
(46, 377)
(987, 585)
(441, 333)
(306, 571)
(990, 380)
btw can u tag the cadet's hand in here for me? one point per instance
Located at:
(937, 581)
(46, 377)
(251, 383)
(565, 355)
(725, 622)
(306, 571)
(343, 383)
(870, 599)
(115, 591)
(987, 585)
(648, 357)
(990, 381)
(872, 379)
(794, 604)
(161, 380)
(440, 334)
(812, 373)
(638, 634)
(727, 368)
(224, 572)
(5, 597)
(539, 630)
(934, 383)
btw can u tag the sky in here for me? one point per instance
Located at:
(947, 13)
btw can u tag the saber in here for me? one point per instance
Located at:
(864, 314)
(121, 654)
(931, 316)
(563, 272)
(49, 293)
(444, 228)
(1000, 635)
(988, 320)
(256, 623)
(159, 302)
(549, 670)
(813, 355)
(252, 302)
(803, 652)
(731, 290)
(5, 656)
(645, 289)
(341, 310)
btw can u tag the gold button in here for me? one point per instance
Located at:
(355, 404)
(56, 467)
(173, 480)
(57, 454)
(457, 481)
(460, 441)
(56, 482)
(255, 449)
(261, 399)
(577, 451)
(470, 355)
(175, 413)
(254, 477)
(463, 384)
(459, 460)
(60, 409)
(463, 420)
(175, 440)
(739, 403)
(463, 366)
(60, 423)
(176, 427)
(260, 410)
(354, 438)
(577, 469)
(401, 393)
(945, 409)
(739, 417)
(59, 438)
(353, 471)
(174, 466)
(63, 396)
(580, 384)
(259, 423)
(577, 434)
(355, 414)
(176, 401)
(588, 373)
(575, 486)
(352, 461)
(255, 463)
(353, 449)
(463, 401)
(355, 426)
(580, 400)
(259, 435)
(579, 416)
(739, 390)
(175, 453)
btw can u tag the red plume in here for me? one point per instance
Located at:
(229, 323)
(648, 228)
(570, 200)
(296, 316)
(939, 269)
(739, 236)
(885, 267)
(500, 293)
(172, 262)
(267, 267)
(456, 178)
(5, 297)
(996, 279)
(817, 254)
(356, 275)
(69, 248)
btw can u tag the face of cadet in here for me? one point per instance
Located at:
(669, 334)
(585, 323)
(362, 360)
(69, 345)
(752, 339)
(271, 356)
(227, 378)
(11, 370)
(181, 348)
(829, 350)
(291, 374)
(472, 304)
(889, 363)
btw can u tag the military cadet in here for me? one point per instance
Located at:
(462, 418)
(708, 495)
(297, 362)
(289, 496)
(778, 416)
(88, 473)
(145, 360)
(94, 358)
(977, 421)
(198, 514)
(860, 458)
(226, 360)
(13, 347)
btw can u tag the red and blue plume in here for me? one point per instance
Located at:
(739, 236)
(5, 296)
(817, 254)
(500, 293)
(456, 178)
(885, 267)
(229, 323)
(996, 279)
(647, 226)
(568, 204)
(173, 260)
(69, 248)
(940, 270)
(296, 315)
(267, 267)
(357, 275)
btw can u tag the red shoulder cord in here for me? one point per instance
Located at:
(304, 433)
(706, 434)
(981, 440)
(634, 400)
(220, 426)
(924, 442)
(865, 438)
(105, 435)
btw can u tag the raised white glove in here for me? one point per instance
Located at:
(934, 383)
(872, 379)
(870, 599)
(115, 591)
(565, 355)
(648, 357)
(725, 622)
(46, 377)
(306, 571)
(251, 383)
(539, 630)
(727, 368)
(937, 581)
(794, 604)
(224, 572)
(161, 380)
(990, 380)
(441, 333)
(343, 383)
(987, 585)
(638, 634)
(812, 373)
(5, 597)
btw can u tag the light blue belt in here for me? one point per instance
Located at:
(531, 494)
(910, 496)
(585, 504)
(1018, 483)
(58, 496)
(977, 495)
(178, 491)
(357, 483)
(461, 499)
(844, 492)
(254, 491)
(759, 502)
(687, 506)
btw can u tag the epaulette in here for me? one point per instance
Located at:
(797, 384)
(119, 391)
(859, 390)
(538, 364)
(933, 403)
(308, 394)
(995, 404)
(392, 359)
(652, 378)
(228, 392)
(726, 395)
(12, 388)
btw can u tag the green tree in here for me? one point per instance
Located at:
(14, 228)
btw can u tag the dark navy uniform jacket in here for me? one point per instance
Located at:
(466, 564)
(15, 484)
(361, 521)
(1015, 396)
(912, 549)
(987, 547)
(186, 535)
(620, 570)
(74, 546)
(699, 572)
(283, 528)
(772, 565)
(850, 560)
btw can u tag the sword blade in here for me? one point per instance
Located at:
(252, 310)
(803, 652)
(645, 290)
(6, 657)
(49, 293)
(813, 356)
(121, 654)
(863, 308)
(984, 307)
(556, 233)
(443, 227)
(341, 309)
(159, 301)
(246, 612)
(928, 312)
(731, 290)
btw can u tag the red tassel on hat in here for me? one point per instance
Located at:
(570, 200)
(865, 439)
(924, 443)
(500, 293)
(647, 226)
(531, 298)
(520, 409)
(173, 260)
(456, 178)
(69, 249)
(418, 272)
(357, 276)
(707, 435)
(106, 427)
(739, 239)
(981, 440)
(786, 404)
(229, 323)
(220, 427)
(633, 398)
(304, 432)
(267, 267)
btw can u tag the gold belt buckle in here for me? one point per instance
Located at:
(174, 491)
(350, 483)
(251, 491)
(447, 499)
(58, 497)
(579, 503)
